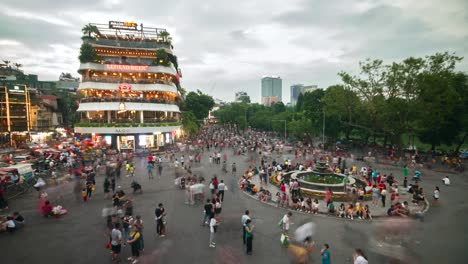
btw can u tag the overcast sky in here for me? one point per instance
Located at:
(227, 46)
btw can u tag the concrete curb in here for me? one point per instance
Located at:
(377, 218)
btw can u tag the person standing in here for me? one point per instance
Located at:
(325, 253)
(139, 224)
(160, 213)
(248, 227)
(213, 229)
(286, 221)
(106, 188)
(149, 167)
(116, 242)
(244, 219)
(436, 194)
(221, 188)
(383, 195)
(160, 168)
(135, 244)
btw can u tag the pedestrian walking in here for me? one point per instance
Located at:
(106, 188)
(249, 236)
(126, 222)
(325, 254)
(160, 213)
(213, 229)
(149, 167)
(134, 242)
(285, 222)
(209, 210)
(221, 188)
(116, 242)
(244, 219)
(160, 168)
(84, 194)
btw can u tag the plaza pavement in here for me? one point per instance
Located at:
(79, 236)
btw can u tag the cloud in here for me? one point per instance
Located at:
(226, 46)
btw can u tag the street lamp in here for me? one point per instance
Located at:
(282, 120)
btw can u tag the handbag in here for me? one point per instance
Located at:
(108, 245)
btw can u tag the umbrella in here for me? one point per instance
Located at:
(304, 231)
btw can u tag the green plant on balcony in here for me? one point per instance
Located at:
(162, 58)
(90, 32)
(88, 54)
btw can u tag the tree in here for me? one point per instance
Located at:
(189, 123)
(162, 58)
(199, 103)
(164, 35)
(88, 54)
(278, 107)
(18, 66)
(90, 29)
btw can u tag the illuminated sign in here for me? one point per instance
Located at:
(123, 25)
(127, 67)
(16, 88)
(125, 87)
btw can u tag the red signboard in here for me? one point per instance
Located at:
(127, 67)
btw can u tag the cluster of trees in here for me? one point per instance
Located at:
(422, 97)
(195, 109)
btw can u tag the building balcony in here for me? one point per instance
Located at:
(127, 128)
(133, 44)
(125, 100)
(131, 106)
(99, 83)
(125, 122)
(127, 68)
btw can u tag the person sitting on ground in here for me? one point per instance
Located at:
(359, 210)
(278, 199)
(267, 197)
(19, 219)
(10, 225)
(295, 203)
(342, 210)
(315, 206)
(47, 209)
(446, 181)
(366, 214)
(308, 203)
(350, 211)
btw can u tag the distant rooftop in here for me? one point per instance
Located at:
(129, 30)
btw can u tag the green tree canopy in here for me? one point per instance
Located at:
(199, 104)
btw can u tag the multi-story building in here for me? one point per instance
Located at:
(130, 84)
(242, 97)
(272, 89)
(296, 90)
(14, 114)
(309, 88)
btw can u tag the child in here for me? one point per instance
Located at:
(84, 194)
(315, 206)
(341, 210)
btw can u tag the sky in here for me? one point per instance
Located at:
(227, 46)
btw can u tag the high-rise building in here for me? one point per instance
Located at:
(130, 83)
(309, 88)
(15, 108)
(296, 90)
(242, 97)
(272, 89)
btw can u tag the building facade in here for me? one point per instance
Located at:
(272, 89)
(14, 114)
(296, 90)
(309, 88)
(130, 86)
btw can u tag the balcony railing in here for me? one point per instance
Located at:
(131, 81)
(126, 100)
(127, 120)
(128, 124)
(141, 44)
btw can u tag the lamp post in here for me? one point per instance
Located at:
(282, 120)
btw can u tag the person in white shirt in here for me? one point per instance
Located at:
(359, 257)
(213, 226)
(286, 222)
(221, 188)
(446, 180)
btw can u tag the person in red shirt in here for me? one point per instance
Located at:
(47, 209)
(150, 158)
(382, 186)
